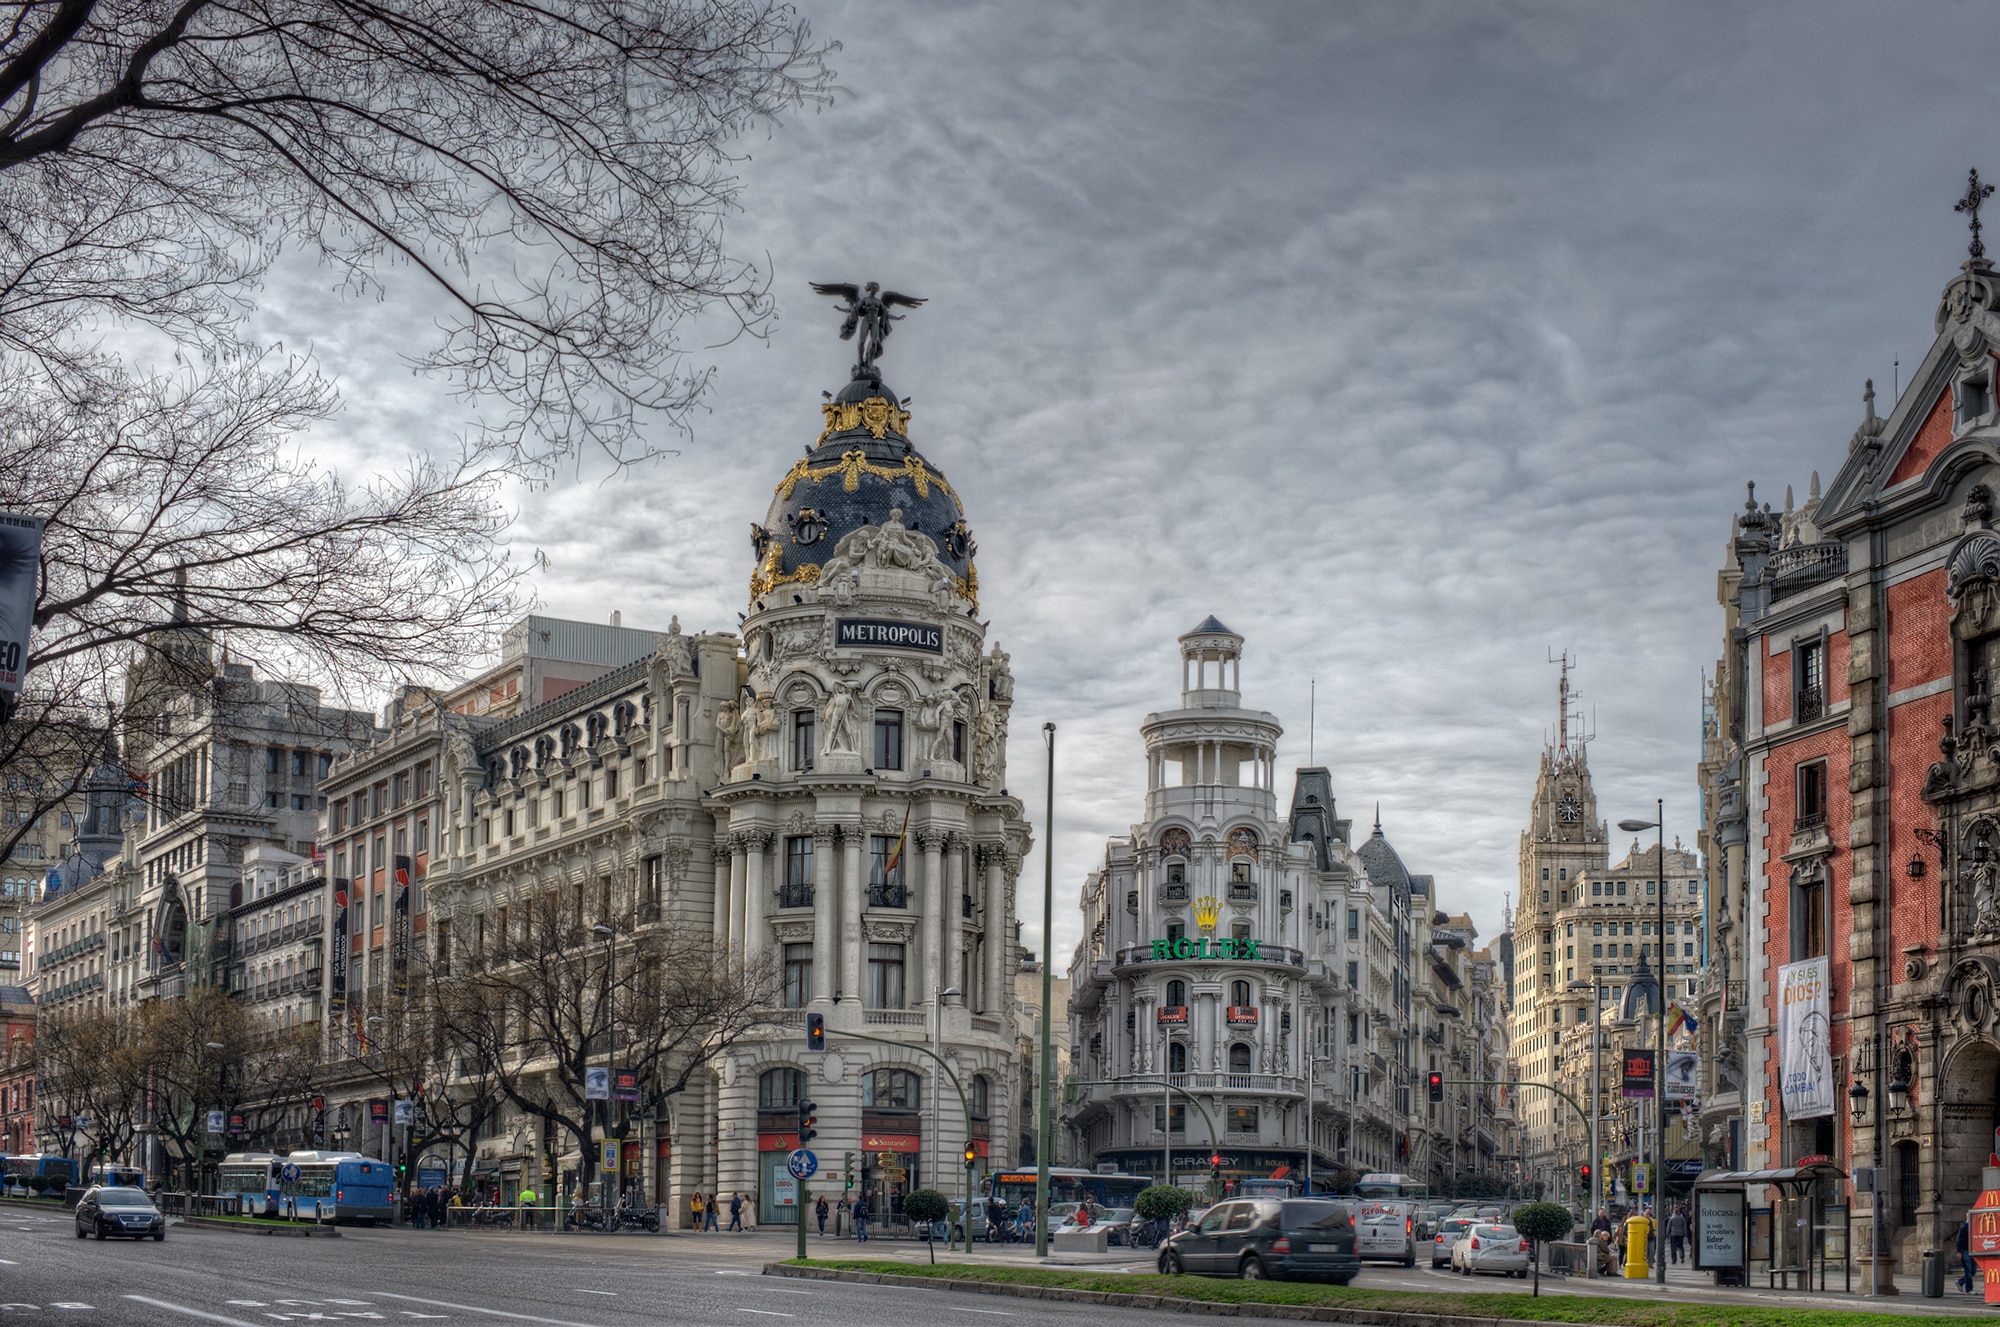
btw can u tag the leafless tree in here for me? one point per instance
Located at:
(407, 1056)
(178, 508)
(558, 171)
(91, 1065)
(541, 1000)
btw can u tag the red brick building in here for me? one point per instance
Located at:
(1852, 775)
(17, 1076)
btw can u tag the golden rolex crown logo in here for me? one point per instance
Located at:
(1206, 911)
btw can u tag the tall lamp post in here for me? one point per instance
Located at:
(1658, 822)
(1596, 990)
(1045, 1130)
(611, 1053)
(222, 1100)
(938, 997)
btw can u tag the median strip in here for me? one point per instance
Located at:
(1328, 1303)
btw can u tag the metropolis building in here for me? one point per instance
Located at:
(824, 792)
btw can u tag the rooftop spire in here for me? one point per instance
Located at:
(1975, 194)
(1378, 817)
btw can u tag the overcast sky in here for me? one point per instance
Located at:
(1416, 341)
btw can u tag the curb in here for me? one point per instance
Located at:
(1167, 1303)
(282, 1229)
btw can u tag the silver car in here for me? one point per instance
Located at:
(1490, 1248)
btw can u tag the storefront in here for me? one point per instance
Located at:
(890, 1169)
(777, 1191)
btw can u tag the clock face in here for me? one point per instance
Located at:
(1569, 810)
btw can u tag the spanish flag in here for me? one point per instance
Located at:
(896, 853)
(1678, 1018)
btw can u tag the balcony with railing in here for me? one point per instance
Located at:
(799, 895)
(1808, 704)
(888, 896)
(1803, 566)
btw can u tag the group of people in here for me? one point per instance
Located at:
(426, 1208)
(706, 1209)
(1611, 1239)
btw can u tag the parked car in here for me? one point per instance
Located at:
(107, 1210)
(1117, 1220)
(1449, 1232)
(1305, 1239)
(1489, 1248)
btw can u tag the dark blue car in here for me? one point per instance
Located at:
(1292, 1239)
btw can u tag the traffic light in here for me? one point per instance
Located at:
(1436, 1082)
(1583, 1174)
(847, 1169)
(971, 1153)
(807, 1118)
(815, 1032)
(1215, 1165)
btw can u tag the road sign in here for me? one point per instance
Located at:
(610, 1155)
(1642, 1177)
(802, 1163)
(288, 1173)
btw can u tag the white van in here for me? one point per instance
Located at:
(1385, 1230)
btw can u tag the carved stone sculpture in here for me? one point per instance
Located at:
(727, 718)
(766, 746)
(888, 545)
(1985, 903)
(837, 716)
(1000, 676)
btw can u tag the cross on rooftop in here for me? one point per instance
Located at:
(1975, 194)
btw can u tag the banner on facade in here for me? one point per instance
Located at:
(399, 934)
(1682, 1068)
(378, 1112)
(336, 977)
(625, 1085)
(1638, 1073)
(1805, 1041)
(20, 574)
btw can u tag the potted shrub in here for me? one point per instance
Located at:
(929, 1207)
(1542, 1223)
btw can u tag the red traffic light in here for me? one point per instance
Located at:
(1436, 1085)
(1215, 1159)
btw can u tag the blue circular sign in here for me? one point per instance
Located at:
(803, 1164)
(288, 1173)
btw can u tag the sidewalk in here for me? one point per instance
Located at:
(1683, 1282)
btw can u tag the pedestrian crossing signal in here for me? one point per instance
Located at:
(815, 1032)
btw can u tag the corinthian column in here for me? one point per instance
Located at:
(740, 886)
(933, 896)
(954, 919)
(756, 935)
(826, 912)
(853, 898)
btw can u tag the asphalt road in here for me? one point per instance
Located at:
(492, 1277)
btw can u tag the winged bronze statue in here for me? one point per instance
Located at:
(867, 309)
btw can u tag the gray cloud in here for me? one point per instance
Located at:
(1411, 339)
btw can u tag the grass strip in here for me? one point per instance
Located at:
(1612, 1311)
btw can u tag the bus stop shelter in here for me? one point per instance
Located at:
(1789, 1225)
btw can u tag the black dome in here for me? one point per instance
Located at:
(861, 469)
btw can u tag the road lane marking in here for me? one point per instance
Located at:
(612, 1293)
(192, 1313)
(768, 1313)
(474, 1308)
(959, 1308)
(775, 1291)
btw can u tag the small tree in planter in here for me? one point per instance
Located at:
(1162, 1202)
(928, 1206)
(1542, 1223)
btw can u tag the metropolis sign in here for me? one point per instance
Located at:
(855, 631)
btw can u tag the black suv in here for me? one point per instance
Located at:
(1306, 1239)
(108, 1209)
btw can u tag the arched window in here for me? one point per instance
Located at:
(779, 1088)
(896, 1089)
(1239, 993)
(1239, 1059)
(1177, 1057)
(1176, 994)
(982, 1096)
(1239, 871)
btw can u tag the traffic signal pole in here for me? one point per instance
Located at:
(808, 1116)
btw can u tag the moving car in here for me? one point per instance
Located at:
(1490, 1248)
(1449, 1232)
(116, 1210)
(1385, 1231)
(1305, 1239)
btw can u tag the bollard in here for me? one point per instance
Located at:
(1933, 1275)
(1636, 1230)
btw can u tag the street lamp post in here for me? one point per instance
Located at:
(222, 1100)
(611, 1054)
(1596, 1110)
(938, 998)
(1658, 822)
(1044, 1130)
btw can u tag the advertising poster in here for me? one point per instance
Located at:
(596, 1084)
(1681, 1067)
(20, 574)
(1638, 1073)
(399, 934)
(1805, 1044)
(336, 977)
(1718, 1229)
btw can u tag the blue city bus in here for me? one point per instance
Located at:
(344, 1186)
(18, 1169)
(1067, 1184)
(251, 1177)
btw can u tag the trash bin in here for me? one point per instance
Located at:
(1933, 1274)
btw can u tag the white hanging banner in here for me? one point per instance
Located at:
(1805, 1040)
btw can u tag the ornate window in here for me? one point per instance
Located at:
(982, 1096)
(1239, 993)
(1239, 1058)
(892, 1089)
(1808, 910)
(1176, 994)
(779, 1088)
(1177, 1057)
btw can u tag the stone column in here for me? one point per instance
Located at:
(757, 899)
(740, 886)
(853, 899)
(932, 841)
(826, 913)
(997, 938)
(954, 921)
(719, 852)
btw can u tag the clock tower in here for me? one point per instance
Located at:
(1563, 842)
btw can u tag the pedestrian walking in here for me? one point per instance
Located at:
(698, 1210)
(860, 1220)
(1677, 1234)
(820, 1210)
(713, 1203)
(1964, 1247)
(736, 1212)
